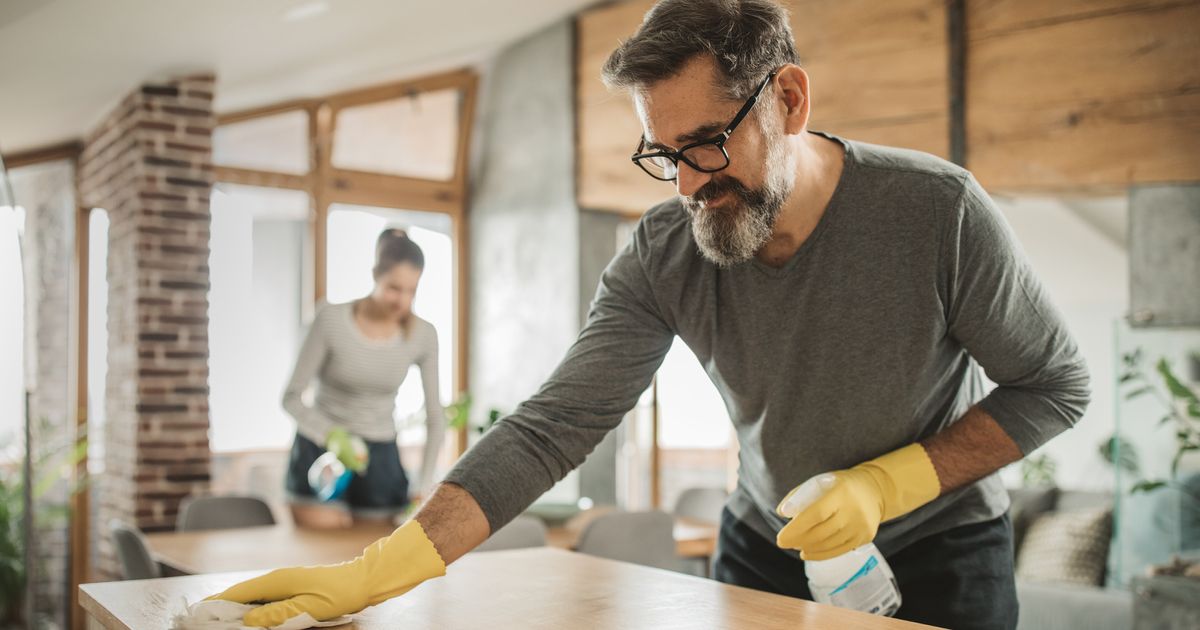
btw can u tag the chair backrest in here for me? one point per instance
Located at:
(132, 552)
(197, 513)
(702, 504)
(524, 531)
(645, 538)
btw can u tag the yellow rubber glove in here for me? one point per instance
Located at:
(388, 567)
(848, 515)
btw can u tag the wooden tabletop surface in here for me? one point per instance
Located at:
(518, 589)
(282, 545)
(255, 548)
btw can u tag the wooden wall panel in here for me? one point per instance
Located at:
(878, 73)
(878, 69)
(607, 128)
(1083, 95)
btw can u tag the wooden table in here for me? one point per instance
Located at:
(283, 545)
(266, 547)
(518, 589)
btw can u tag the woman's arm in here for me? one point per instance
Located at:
(309, 422)
(435, 420)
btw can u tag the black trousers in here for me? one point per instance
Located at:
(961, 578)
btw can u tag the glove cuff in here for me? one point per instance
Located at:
(907, 480)
(400, 562)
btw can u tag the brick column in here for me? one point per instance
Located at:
(149, 164)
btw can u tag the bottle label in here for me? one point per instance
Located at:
(868, 590)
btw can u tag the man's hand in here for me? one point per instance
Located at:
(848, 515)
(388, 567)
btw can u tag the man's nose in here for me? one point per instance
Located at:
(689, 180)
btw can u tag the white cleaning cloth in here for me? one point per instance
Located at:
(219, 614)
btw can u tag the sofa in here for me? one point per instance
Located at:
(1059, 606)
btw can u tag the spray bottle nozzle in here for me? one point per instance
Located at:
(805, 495)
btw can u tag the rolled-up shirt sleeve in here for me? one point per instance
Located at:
(1000, 313)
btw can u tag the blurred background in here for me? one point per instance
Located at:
(185, 181)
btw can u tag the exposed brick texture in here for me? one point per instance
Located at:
(149, 164)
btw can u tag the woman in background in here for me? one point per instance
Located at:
(359, 353)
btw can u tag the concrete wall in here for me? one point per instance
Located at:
(1165, 255)
(597, 246)
(524, 225)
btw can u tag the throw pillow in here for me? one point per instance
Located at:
(1067, 547)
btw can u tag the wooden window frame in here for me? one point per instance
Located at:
(327, 185)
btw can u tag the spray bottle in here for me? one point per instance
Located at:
(859, 579)
(330, 474)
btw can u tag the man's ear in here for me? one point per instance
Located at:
(792, 97)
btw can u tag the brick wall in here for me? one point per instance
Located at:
(149, 164)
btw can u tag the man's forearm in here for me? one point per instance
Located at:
(453, 521)
(970, 449)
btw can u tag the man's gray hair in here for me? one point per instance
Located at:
(747, 39)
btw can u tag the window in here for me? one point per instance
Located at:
(352, 232)
(255, 304)
(97, 336)
(284, 236)
(695, 434)
(12, 331)
(276, 143)
(414, 136)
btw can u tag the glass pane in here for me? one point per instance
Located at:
(694, 427)
(276, 143)
(1153, 526)
(257, 274)
(351, 255)
(97, 336)
(415, 136)
(12, 328)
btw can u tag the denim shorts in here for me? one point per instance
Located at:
(379, 492)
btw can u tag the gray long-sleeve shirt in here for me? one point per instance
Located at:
(357, 379)
(867, 340)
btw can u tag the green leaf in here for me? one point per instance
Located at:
(1175, 386)
(1119, 452)
(1139, 392)
(1146, 486)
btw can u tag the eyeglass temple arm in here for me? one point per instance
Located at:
(747, 107)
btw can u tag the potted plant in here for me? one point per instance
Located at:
(1181, 412)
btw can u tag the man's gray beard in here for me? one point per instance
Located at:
(735, 233)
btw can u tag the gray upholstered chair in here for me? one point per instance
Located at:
(702, 504)
(645, 538)
(198, 513)
(133, 553)
(524, 531)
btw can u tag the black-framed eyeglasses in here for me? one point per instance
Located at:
(706, 156)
